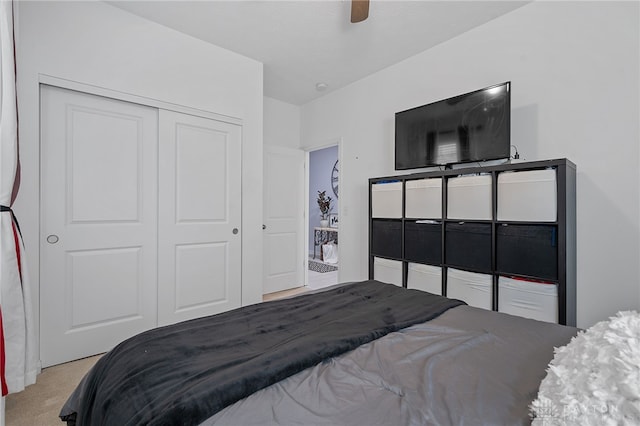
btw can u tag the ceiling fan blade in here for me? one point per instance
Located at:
(359, 10)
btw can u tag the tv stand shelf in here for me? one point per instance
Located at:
(501, 231)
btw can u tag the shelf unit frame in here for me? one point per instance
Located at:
(565, 224)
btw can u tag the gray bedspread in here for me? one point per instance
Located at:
(469, 366)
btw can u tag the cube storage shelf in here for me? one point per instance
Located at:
(388, 271)
(527, 299)
(473, 287)
(424, 277)
(474, 230)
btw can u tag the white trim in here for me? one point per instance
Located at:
(327, 144)
(306, 218)
(136, 99)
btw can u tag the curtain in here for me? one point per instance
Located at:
(19, 365)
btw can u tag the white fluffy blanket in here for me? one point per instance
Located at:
(595, 379)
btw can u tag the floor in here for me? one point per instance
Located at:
(39, 404)
(317, 280)
(320, 280)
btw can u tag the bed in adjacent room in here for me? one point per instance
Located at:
(359, 353)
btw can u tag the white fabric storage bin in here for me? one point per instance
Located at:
(387, 271)
(527, 196)
(471, 287)
(386, 200)
(424, 198)
(528, 299)
(469, 197)
(425, 278)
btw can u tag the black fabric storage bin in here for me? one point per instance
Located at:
(468, 246)
(386, 238)
(530, 250)
(423, 242)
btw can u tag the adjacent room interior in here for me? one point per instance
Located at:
(323, 217)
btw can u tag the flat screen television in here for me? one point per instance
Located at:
(466, 128)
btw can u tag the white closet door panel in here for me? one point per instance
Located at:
(99, 223)
(199, 217)
(99, 297)
(97, 193)
(201, 158)
(195, 262)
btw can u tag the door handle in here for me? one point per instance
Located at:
(264, 226)
(52, 239)
(235, 231)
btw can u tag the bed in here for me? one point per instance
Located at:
(355, 354)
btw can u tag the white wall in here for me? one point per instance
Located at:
(100, 45)
(574, 68)
(281, 123)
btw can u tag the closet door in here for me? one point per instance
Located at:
(199, 268)
(99, 223)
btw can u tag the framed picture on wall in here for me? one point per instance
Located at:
(333, 220)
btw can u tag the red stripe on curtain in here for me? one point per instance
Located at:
(3, 380)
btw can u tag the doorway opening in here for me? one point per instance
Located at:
(323, 207)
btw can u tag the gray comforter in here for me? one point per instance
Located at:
(467, 367)
(186, 372)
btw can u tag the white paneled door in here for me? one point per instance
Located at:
(99, 223)
(284, 252)
(199, 217)
(141, 212)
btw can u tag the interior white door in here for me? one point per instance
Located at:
(284, 258)
(199, 251)
(99, 223)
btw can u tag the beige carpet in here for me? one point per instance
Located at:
(285, 293)
(39, 404)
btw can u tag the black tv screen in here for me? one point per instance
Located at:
(466, 128)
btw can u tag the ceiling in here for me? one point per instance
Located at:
(305, 42)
